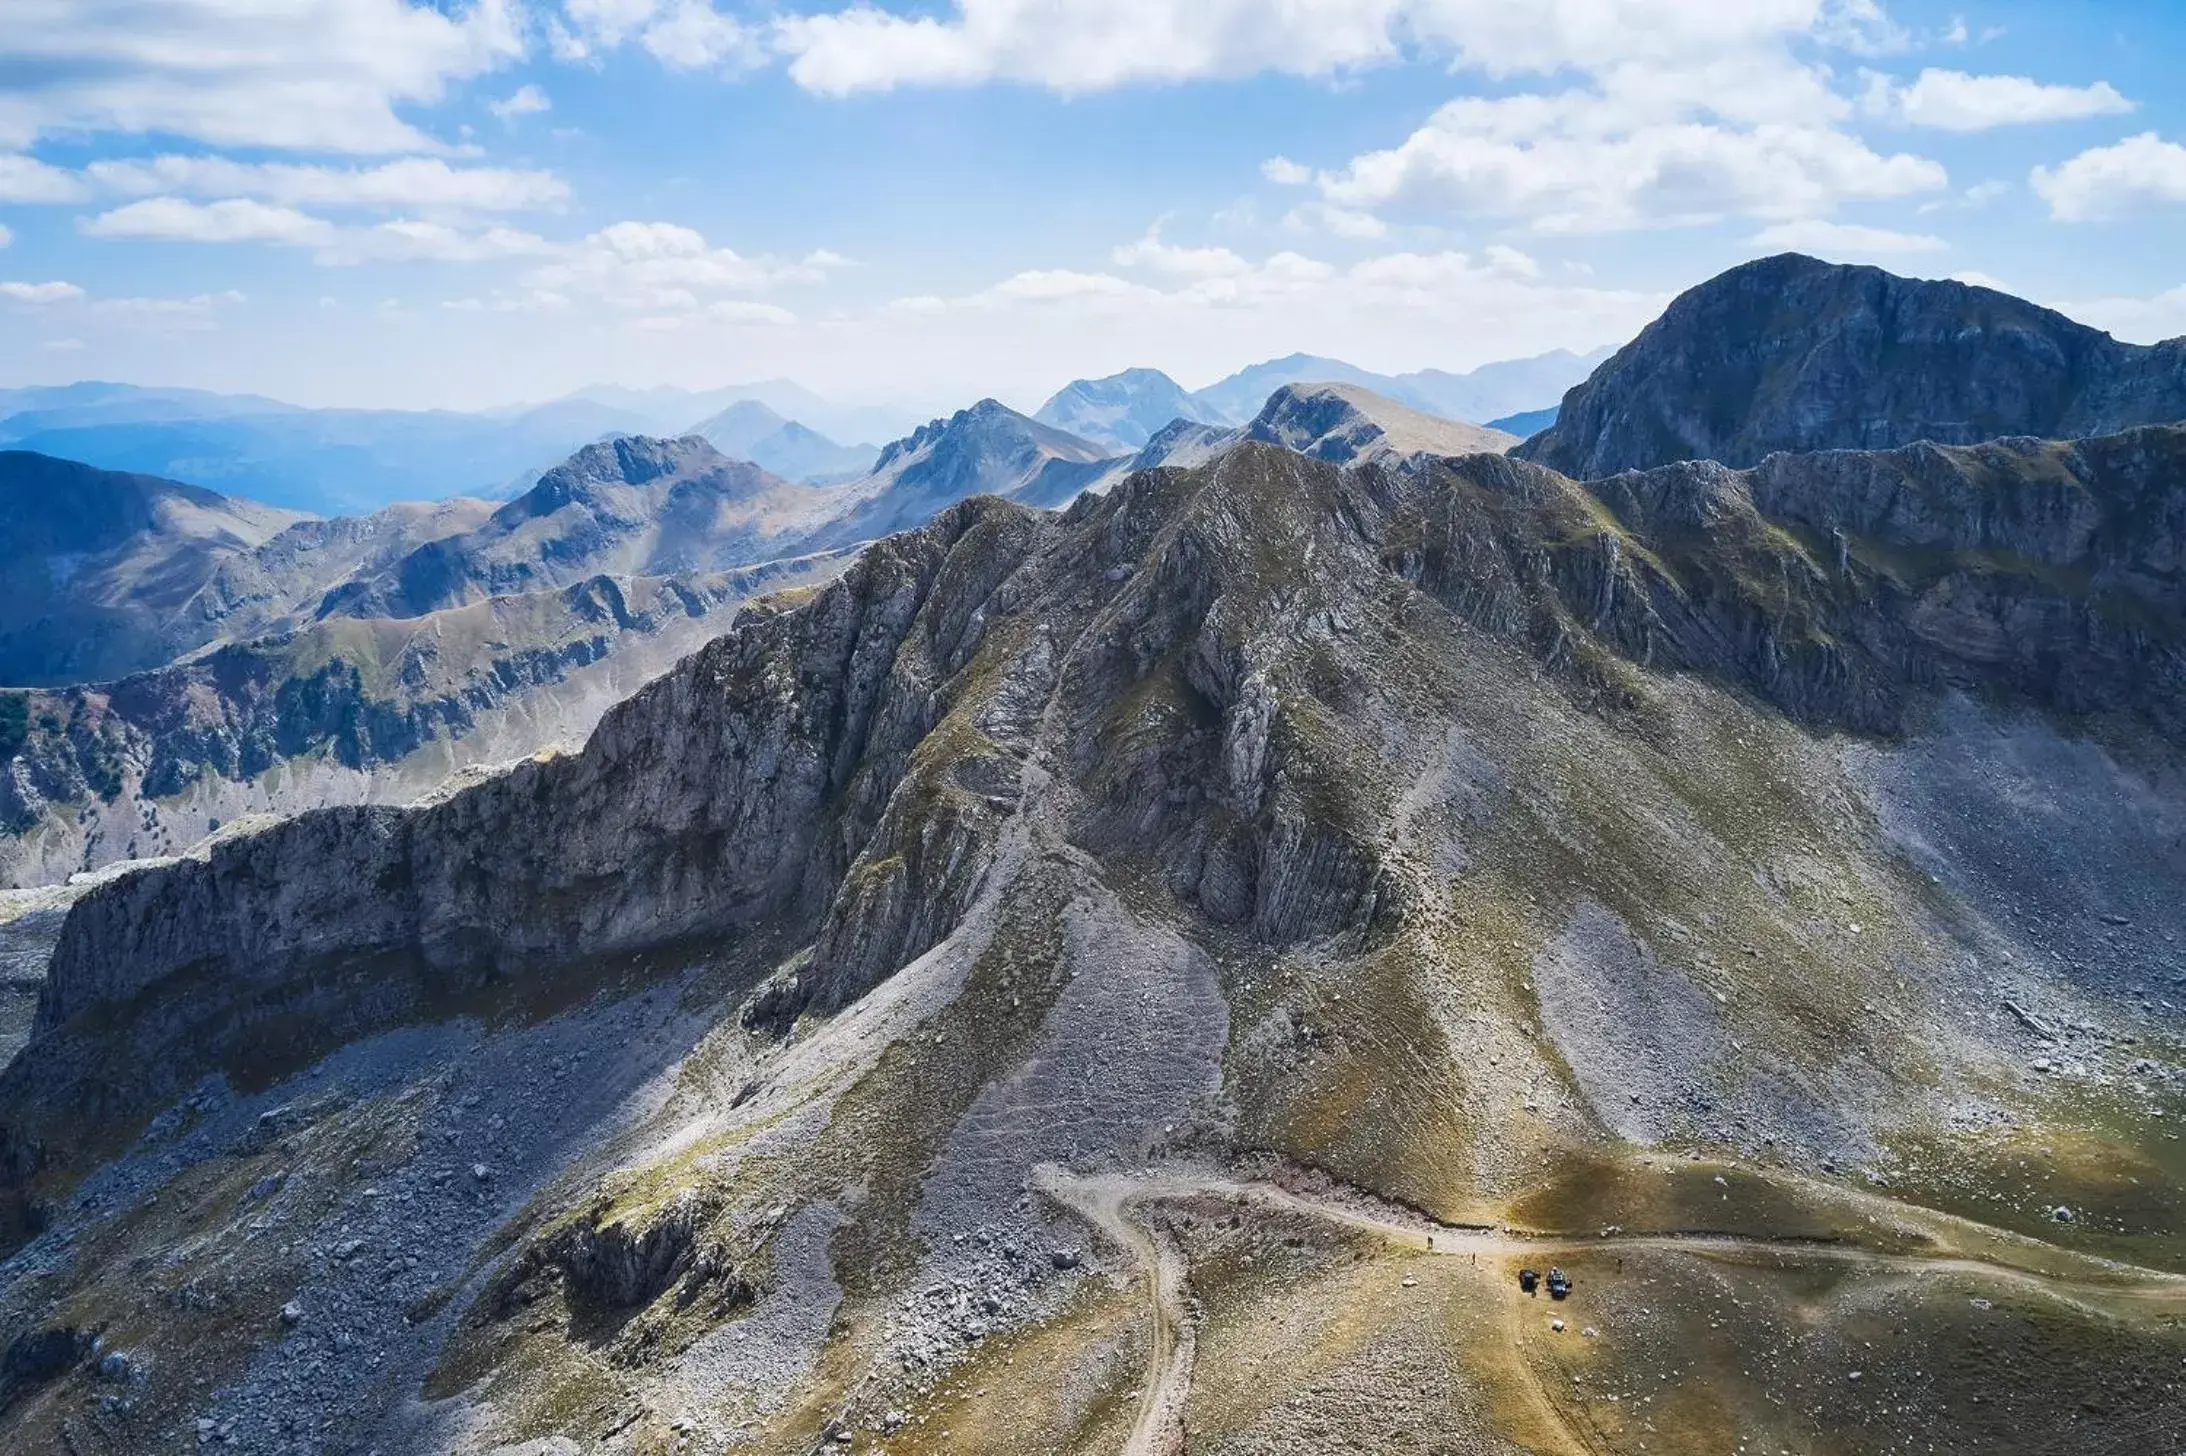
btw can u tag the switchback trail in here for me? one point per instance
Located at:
(1107, 1202)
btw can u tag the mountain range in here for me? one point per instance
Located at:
(1169, 964)
(1323, 933)
(353, 461)
(204, 658)
(1126, 410)
(347, 461)
(748, 430)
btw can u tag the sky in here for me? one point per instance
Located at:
(473, 203)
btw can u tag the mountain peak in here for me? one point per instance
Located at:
(1345, 422)
(624, 460)
(1793, 353)
(1123, 410)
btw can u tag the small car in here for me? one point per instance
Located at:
(1559, 1283)
(1529, 1280)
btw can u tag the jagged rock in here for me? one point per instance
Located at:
(777, 774)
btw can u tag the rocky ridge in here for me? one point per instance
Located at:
(95, 565)
(1344, 424)
(367, 660)
(1506, 849)
(1793, 354)
(344, 711)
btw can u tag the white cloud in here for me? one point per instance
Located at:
(302, 74)
(749, 311)
(1955, 101)
(167, 315)
(1087, 45)
(1841, 240)
(242, 220)
(1664, 112)
(666, 266)
(411, 240)
(1151, 252)
(1343, 222)
(1511, 261)
(55, 292)
(691, 34)
(687, 34)
(231, 220)
(2141, 320)
(201, 303)
(1586, 162)
(1430, 281)
(26, 179)
(1057, 285)
(1030, 332)
(6, 237)
(2105, 181)
(529, 301)
(525, 100)
(425, 184)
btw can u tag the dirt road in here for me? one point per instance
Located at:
(1107, 1202)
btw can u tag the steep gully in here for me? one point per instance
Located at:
(1108, 1202)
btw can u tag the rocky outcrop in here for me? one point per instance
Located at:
(836, 773)
(1792, 354)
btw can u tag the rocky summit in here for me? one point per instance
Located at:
(1417, 953)
(1790, 353)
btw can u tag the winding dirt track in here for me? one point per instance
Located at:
(1106, 1201)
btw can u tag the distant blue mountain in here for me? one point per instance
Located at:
(1122, 411)
(749, 430)
(326, 462)
(1526, 423)
(1126, 410)
(351, 462)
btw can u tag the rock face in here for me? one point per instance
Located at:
(1440, 839)
(1789, 353)
(786, 770)
(1122, 411)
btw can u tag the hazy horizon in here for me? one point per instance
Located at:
(382, 203)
